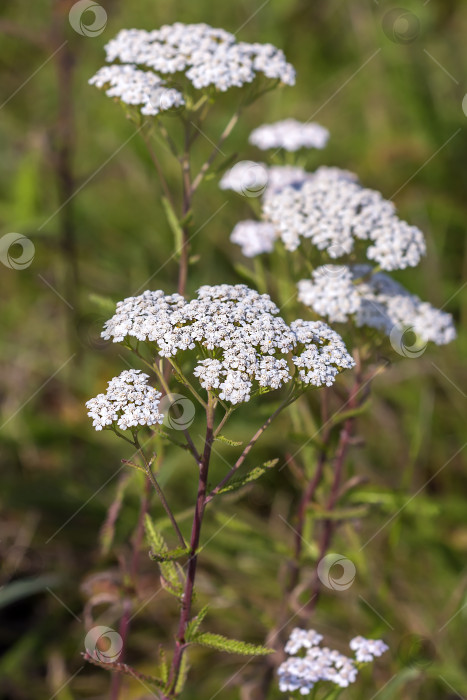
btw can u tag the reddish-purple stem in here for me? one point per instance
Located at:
(185, 612)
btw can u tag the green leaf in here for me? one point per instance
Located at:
(104, 303)
(308, 440)
(245, 273)
(174, 224)
(182, 674)
(232, 646)
(170, 555)
(352, 413)
(194, 624)
(166, 435)
(163, 668)
(233, 443)
(172, 575)
(338, 513)
(252, 475)
(23, 588)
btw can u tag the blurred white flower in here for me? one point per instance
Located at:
(367, 649)
(254, 237)
(289, 134)
(318, 663)
(374, 300)
(335, 212)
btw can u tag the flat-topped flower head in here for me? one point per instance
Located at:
(317, 664)
(321, 664)
(335, 213)
(340, 293)
(205, 56)
(367, 649)
(302, 639)
(137, 87)
(127, 403)
(243, 345)
(289, 134)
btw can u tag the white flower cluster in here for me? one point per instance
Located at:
(367, 649)
(239, 335)
(256, 179)
(129, 402)
(289, 134)
(321, 663)
(254, 237)
(374, 300)
(206, 56)
(334, 212)
(138, 87)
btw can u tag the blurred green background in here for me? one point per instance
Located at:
(391, 94)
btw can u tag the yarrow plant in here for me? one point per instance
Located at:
(241, 347)
(230, 344)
